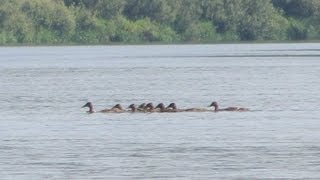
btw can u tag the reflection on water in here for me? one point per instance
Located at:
(44, 134)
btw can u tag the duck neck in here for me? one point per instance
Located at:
(162, 108)
(216, 107)
(90, 109)
(142, 106)
(133, 109)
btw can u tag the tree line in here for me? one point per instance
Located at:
(163, 21)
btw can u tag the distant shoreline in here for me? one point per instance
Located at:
(159, 43)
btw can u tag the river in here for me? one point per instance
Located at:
(45, 134)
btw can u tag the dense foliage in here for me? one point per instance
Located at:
(164, 21)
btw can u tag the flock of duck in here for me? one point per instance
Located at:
(149, 108)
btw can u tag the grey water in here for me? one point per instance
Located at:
(45, 134)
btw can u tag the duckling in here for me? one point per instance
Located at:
(216, 108)
(142, 106)
(115, 109)
(150, 108)
(132, 107)
(173, 108)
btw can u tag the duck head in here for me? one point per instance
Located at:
(132, 107)
(117, 106)
(173, 106)
(149, 106)
(160, 106)
(90, 106)
(143, 105)
(214, 104)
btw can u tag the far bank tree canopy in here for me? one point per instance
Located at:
(163, 21)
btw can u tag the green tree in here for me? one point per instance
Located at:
(162, 11)
(21, 28)
(297, 30)
(224, 14)
(298, 8)
(110, 8)
(51, 15)
(89, 4)
(261, 21)
(138, 21)
(188, 13)
(201, 32)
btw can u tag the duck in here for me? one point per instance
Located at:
(132, 107)
(142, 106)
(173, 106)
(150, 108)
(115, 109)
(166, 109)
(216, 108)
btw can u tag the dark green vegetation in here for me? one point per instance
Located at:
(164, 21)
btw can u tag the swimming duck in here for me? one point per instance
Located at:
(117, 106)
(150, 108)
(174, 107)
(132, 107)
(115, 109)
(216, 108)
(142, 106)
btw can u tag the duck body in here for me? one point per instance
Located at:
(216, 108)
(196, 110)
(174, 107)
(233, 109)
(115, 109)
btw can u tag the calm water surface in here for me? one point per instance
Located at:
(44, 134)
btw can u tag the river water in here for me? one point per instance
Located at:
(44, 134)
